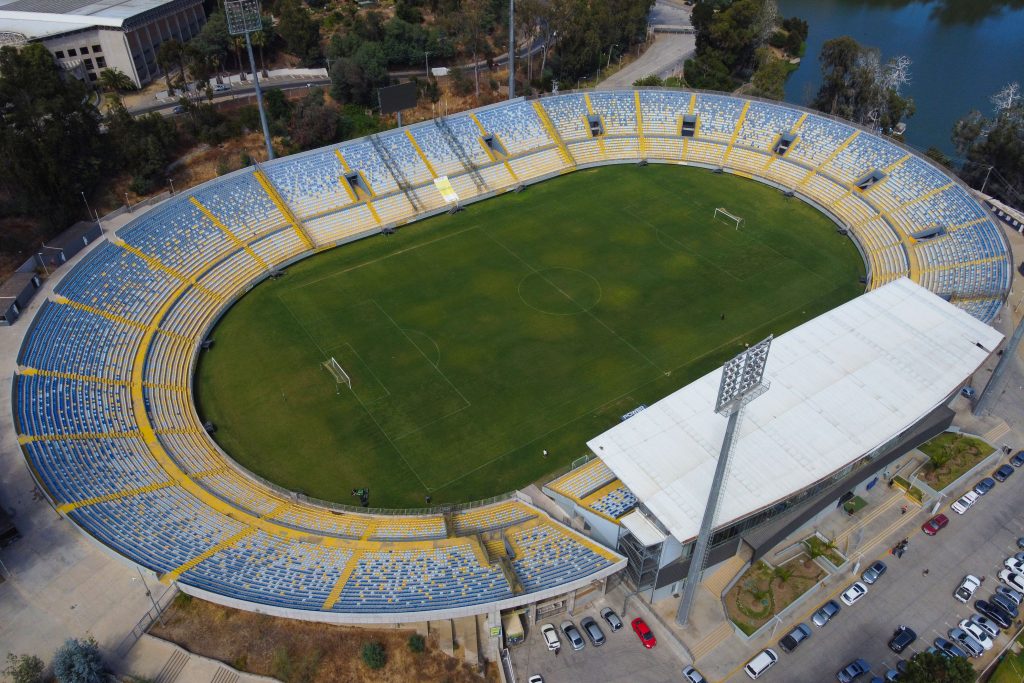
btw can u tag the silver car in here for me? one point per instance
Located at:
(609, 615)
(966, 641)
(573, 634)
(593, 631)
(825, 613)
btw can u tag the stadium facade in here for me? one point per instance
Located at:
(105, 416)
(87, 36)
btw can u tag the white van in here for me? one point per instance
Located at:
(764, 660)
(964, 504)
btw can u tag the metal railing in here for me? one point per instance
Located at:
(152, 614)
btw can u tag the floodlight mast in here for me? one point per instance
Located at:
(742, 382)
(243, 17)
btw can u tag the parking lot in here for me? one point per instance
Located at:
(976, 543)
(621, 658)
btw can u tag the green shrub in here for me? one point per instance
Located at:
(416, 643)
(374, 655)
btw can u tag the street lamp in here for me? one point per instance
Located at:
(88, 209)
(243, 17)
(614, 45)
(426, 58)
(170, 181)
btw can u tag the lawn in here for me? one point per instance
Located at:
(1011, 668)
(526, 323)
(951, 455)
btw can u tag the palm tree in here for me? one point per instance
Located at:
(166, 57)
(783, 574)
(115, 80)
(238, 42)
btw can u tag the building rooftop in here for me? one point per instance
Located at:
(41, 18)
(841, 386)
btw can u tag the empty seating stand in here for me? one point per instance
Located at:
(102, 397)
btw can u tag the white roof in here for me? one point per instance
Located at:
(841, 385)
(642, 528)
(41, 18)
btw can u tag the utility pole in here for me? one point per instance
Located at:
(511, 49)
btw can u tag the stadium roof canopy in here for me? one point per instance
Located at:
(42, 18)
(842, 385)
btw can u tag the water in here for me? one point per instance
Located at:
(963, 51)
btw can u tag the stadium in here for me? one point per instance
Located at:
(108, 422)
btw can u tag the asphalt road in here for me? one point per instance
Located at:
(974, 543)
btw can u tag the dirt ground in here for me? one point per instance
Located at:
(760, 594)
(291, 650)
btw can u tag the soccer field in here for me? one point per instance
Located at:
(528, 322)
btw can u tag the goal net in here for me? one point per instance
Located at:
(339, 374)
(729, 218)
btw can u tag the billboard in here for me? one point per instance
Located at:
(395, 98)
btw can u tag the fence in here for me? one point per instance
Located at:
(152, 614)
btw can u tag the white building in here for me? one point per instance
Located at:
(87, 36)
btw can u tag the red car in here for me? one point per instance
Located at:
(644, 633)
(935, 524)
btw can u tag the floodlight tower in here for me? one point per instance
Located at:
(243, 17)
(742, 382)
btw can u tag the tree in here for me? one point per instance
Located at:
(142, 146)
(115, 80)
(78, 661)
(29, 668)
(933, 667)
(301, 34)
(167, 55)
(49, 137)
(858, 86)
(993, 148)
(313, 124)
(770, 78)
(354, 79)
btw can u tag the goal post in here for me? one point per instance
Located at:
(339, 374)
(724, 215)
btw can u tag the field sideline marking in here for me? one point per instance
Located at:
(587, 311)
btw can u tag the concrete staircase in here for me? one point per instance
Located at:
(711, 641)
(996, 433)
(172, 669)
(497, 551)
(720, 578)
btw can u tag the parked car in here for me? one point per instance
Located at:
(551, 637)
(1014, 565)
(644, 633)
(994, 612)
(891, 676)
(1012, 579)
(1005, 601)
(178, 109)
(873, 573)
(764, 660)
(1018, 459)
(903, 637)
(1003, 473)
(593, 631)
(987, 625)
(573, 634)
(1012, 594)
(693, 676)
(609, 615)
(221, 87)
(854, 593)
(536, 678)
(825, 613)
(965, 591)
(853, 670)
(976, 632)
(935, 524)
(965, 503)
(984, 486)
(1020, 542)
(965, 641)
(792, 640)
(949, 649)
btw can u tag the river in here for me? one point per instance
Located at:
(963, 51)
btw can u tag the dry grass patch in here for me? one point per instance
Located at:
(764, 591)
(951, 455)
(292, 650)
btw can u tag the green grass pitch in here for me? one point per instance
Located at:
(527, 322)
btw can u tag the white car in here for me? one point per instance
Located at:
(965, 591)
(964, 504)
(1014, 565)
(551, 637)
(1012, 579)
(987, 625)
(978, 633)
(854, 593)
(536, 679)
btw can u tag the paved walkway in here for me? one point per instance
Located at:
(665, 56)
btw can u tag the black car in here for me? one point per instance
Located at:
(984, 486)
(903, 637)
(1003, 473)
(1018, 459)
(791, 640)
(994, 612)
(1006, 603)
